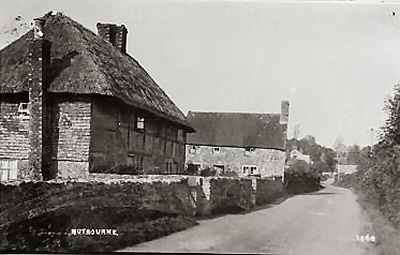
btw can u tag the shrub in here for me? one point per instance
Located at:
(381, 182)
(208, 172)
(300, 177)
(378, 180)
(192, 169)
(229, 174)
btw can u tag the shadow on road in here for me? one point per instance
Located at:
(240, 211)
(270, 204)
(319, 193)
(277, 201)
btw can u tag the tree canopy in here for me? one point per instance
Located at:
(323, 158)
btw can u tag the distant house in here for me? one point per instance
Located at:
(246, 143)
(74, 103)
(298, 155)
(345, 164)
(346, 168)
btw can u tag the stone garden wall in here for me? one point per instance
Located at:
(40, 215)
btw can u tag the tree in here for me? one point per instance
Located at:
(329, 158)
(324, 159)
(391, 131)
(353, 155)
(309, 146)
(378, 175)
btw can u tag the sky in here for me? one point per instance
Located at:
(335, 61)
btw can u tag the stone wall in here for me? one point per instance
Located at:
(214, 195)
(184, 195)
(39, 216)
(270, 162)
(140, 208)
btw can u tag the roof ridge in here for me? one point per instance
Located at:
(226, 112)
(96, 67)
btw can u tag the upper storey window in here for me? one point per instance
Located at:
(193, 149)
(139, 123)
(216, 149)
(23, 110)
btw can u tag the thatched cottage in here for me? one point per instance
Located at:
(249, 144)
(74, 103)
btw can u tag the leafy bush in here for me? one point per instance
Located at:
(208, 172)
(381, 182)
(378, 176)
(192, 169)
(300, 177)
(121, 169)
(229, 174)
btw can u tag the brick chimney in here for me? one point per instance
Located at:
(284, 119)
(114, 34)
(284, 112)
(39, 60)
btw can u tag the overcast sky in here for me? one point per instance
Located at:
(335, 61)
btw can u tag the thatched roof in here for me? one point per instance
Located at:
(237, 130)
(83, 63)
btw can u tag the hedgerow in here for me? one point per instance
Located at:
(378, 176)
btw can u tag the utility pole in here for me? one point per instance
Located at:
(372, 134)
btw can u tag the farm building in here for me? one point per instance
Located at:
(245, 143)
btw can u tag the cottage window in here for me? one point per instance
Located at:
(23, 110)
(216, 150)
(250, 169)
(193, 149)
(220, 168)
(250, 149)
(139, 123)
(8, 170)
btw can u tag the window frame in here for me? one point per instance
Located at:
(9, 168)
(220, 166)
(140, 119)
(250, 149)
(23, 112)
(193, 149)
(250, 169)
(216, 150)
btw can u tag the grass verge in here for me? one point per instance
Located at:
(388, 237)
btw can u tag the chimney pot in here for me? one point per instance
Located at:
(38, 24)
(116, 35)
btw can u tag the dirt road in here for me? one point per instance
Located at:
(325, 222)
